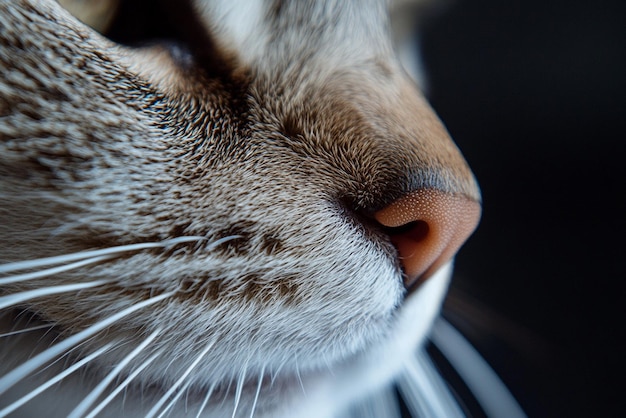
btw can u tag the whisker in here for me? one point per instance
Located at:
(30, 395)
(54, 270)
(82, 407)
(122, 385)
(206, 399)
(238, 390)
(18, 373)
(171, 390)
(424, 391)
(275, 373)
(17, 298)
(220, 241)
(490, 392)
(328, 365)
(171, 403)
(299, 377)
(227, 391)
(258, 391)
(46, 261)
(25, 330)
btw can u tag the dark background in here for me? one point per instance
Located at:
(534, 92)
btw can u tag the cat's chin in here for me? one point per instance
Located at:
(286, 393)
(329, 392)
(326, 392)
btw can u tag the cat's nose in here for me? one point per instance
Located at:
(427, 227)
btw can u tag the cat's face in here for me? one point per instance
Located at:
(247, 199)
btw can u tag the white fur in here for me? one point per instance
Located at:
(245, 30)
(328, 394)
(239, 24)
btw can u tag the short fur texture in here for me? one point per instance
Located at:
(274, 149)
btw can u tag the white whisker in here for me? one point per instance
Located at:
(17, 298)
(222, 240)
(39, 262)
(180, 381)
(25, 330)
(424, 391)
(30, 395)
(206, 399)
(18, 373)
(171, 403)
(328, 365)
(258, 391)
(82, 407)
(227, 391)
(49, 272)
(490, 392)
(275, 373)
(238, 390)
(121, 386)
(299, 377)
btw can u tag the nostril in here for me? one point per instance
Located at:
(427, 228)
(416, 230)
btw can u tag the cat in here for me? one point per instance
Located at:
(258, 222)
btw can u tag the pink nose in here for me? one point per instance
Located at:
(428, 227)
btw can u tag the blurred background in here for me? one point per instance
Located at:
(534, 94)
